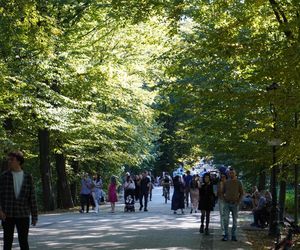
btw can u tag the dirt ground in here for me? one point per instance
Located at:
(262, 241)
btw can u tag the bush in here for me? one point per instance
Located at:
(289, 201)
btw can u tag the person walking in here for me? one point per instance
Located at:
(194, 191)
(129, 187)
(144, 191)
(112, 193)
(220, 188)
(206, 202)
(178, 195)
(85, 192)
(97, 191)
(233, 193)
(137, 183)
(187, 180)
(17, 201)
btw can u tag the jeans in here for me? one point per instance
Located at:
(22, 225)
(221, 208)
(186, 195)
(233, 208)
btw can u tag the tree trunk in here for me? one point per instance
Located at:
(64, 197)
(296, 181)
(282, 195)
(262, 180)
(45, 169)
(296, 184)
(75, 167)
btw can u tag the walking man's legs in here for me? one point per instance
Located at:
(141, 201)
(226, 212)
(234, 210)
(221, 208)
(187, 194)
(8, 233)
(145, 201)
(22, 225)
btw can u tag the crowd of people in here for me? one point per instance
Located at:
(138, 187)
(199, 193)
(261, 202)
(192, 191)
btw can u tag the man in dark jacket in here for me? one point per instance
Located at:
(17, 201)
(145, 188)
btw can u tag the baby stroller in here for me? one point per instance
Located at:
(129, 201)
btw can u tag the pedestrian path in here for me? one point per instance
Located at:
(158, 228)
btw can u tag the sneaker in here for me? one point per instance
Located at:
(146, 210)
(141, 207)
(225, 238)
(201, 230)
(81, 211)
(233, 238)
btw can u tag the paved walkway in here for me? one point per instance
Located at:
(158, 228)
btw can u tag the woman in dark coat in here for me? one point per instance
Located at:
(178, 195)
(206, 202)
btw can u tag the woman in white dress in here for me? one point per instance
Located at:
(97, 191)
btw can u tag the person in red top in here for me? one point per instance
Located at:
(17, 201)
(112, 193)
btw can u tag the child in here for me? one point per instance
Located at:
(112, 193)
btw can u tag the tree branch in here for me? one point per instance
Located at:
(280, 14)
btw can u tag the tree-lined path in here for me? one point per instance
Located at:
(157, 229)
(114, 86)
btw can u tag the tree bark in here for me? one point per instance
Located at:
(296, 184)
(282, 195)
(45, 170)
(262, 180)
(64, 197)
(296, 181)
(75, 167)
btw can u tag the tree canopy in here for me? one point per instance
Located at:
(149, 84)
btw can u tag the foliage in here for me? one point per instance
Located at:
(77, 70)
(228, 54)
(132, 84)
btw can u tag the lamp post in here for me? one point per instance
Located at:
(273, 229)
